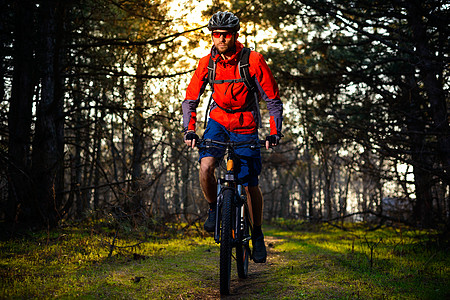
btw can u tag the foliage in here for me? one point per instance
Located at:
(118, 70)
(366, 80)
(90, 120)
(311, 262)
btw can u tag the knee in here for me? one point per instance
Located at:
(207, 167)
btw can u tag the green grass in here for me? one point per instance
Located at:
(304, 263)
(382, 264)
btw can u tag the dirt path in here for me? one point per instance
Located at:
(258, 274)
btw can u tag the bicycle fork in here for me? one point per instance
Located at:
(239, 214)
(229, 183)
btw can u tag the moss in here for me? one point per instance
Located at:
(304, 263)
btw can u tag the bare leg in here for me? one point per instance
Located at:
(259, 248)
(208, 179)
(255, 203)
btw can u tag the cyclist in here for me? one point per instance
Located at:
(234, 116)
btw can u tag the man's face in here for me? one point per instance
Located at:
(224, 40)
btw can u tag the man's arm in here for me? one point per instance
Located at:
(268, 90)
(194, 91)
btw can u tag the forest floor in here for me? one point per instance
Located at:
(304, 262)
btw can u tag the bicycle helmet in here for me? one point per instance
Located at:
(224, 20)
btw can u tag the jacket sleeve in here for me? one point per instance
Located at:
(194, 91)
(269, 92)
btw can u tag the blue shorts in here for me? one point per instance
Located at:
(250, 165)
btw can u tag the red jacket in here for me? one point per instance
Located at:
(234, 95)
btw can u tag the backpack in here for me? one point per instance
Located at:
(244, 72)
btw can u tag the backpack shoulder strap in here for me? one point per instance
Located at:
(212, 74)
(244, 72)
(210, 78)
(211, 71)
(244, 69)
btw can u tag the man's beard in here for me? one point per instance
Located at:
(228, 51)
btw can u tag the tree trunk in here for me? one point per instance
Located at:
(77, 181)
(429, 71)
(19, 118)
(343, 195)
(284, 185)
(98, 156)
(48, 142)
(186, 182)
(422, 211)
(310, 180)
(138, 141)
(327, 190)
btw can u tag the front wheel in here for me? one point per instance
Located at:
(226, 242)
(243, 248)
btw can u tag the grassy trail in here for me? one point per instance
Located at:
(311, 263)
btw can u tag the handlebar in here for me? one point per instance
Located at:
(208, 143)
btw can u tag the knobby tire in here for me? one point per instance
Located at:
(226, 242)
(242, 249)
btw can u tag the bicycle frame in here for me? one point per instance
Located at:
(229, 181)
(232, 216)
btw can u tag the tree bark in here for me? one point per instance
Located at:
(20, 113)
(430, 70)
(48, 143)
(415, 122)
(138, 140)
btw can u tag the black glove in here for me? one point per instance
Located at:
(190, 135)
(273, 139)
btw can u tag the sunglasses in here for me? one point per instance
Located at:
(227, 35)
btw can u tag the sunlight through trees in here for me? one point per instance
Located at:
(90, 120)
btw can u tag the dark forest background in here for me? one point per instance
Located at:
(90, 112)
